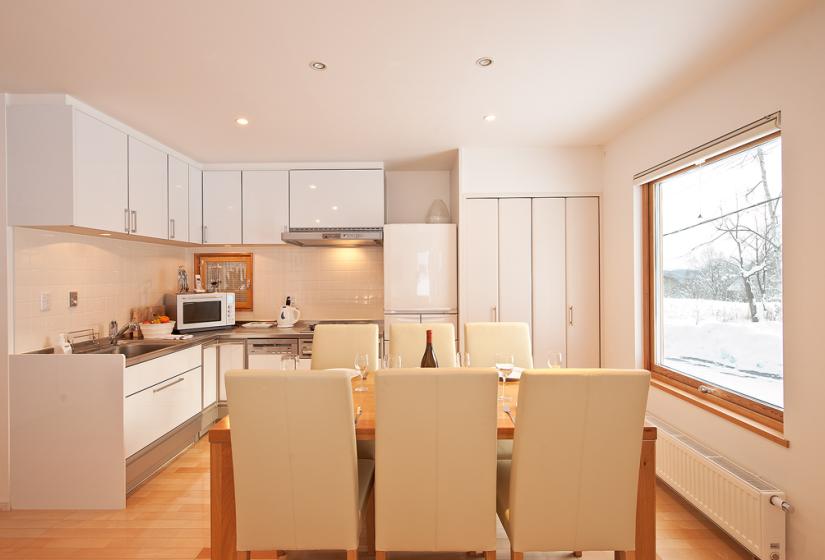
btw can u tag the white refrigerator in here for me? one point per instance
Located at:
(420, 275)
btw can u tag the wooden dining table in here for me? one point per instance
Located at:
(222, 485)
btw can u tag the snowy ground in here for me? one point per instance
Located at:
(714, 341)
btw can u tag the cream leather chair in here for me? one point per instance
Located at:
(435, 444)
(572, 482)
(335, 346)
(482, 341)
(408, 341)
(298, 483)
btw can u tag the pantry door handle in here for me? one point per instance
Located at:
(570, 311)
(172, 227)
(134, 221)
(126, 220)
(495, 314)
(175, 382)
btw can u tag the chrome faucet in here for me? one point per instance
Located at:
(115, 334)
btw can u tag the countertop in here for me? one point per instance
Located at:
(301, 330)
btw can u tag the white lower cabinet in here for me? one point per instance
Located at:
(157, 410)
(231, 355)
(210, 375)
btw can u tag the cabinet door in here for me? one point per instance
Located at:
(230, 356)
(210, 375)
(583, 329)
(549, 278)
(178, 199)
(514, 264)
(480, 246)
(304, 364)
(195, 205)
(222, 207)
(101, 196)
(265, 206)
(155, 411)
(148, 190)
(349, 198)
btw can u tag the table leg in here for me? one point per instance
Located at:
(646, 503)
(222, 501)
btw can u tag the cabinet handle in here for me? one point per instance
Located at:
(175, 382)
(172, 228)
(570, 314)
(126, 220)
(495, 313)
(134, 221)
(204, 234)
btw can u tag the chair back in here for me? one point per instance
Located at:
(576, 457)
(294, 460)
(482, 341)
(335, 345)
(408, 340)
(435, 445)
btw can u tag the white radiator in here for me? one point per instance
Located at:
(749, 509)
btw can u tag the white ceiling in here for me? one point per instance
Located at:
(401, 84)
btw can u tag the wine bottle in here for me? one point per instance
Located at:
(428, 359)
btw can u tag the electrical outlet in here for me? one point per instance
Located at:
(45, 301)
(72, 299)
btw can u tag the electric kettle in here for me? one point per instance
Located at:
(289, 315)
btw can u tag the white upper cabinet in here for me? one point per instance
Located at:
(222, 204)
(265, 206)
(336, 198)
(148, 206)
(481, 260)
(195, 205)
(65, 168)
(178, 200)
(101, 175)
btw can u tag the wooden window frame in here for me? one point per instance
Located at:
(749, 413)
(231, 257)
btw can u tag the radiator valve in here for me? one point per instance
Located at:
(782, 504)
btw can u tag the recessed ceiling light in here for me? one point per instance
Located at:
(313, 187)
(484, 61)
(317, 221)
(243, 121)
(317, 65)
(335, 208)
(489, 118)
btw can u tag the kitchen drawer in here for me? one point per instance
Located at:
(146, 374)
(155, 411)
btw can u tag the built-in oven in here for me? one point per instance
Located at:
(200, 312)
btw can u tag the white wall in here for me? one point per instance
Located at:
(111, 276)
(783, 72)
(411, 193)
(6, 340)
(531, 170)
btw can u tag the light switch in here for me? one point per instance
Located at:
(45, 301)
(72, 299)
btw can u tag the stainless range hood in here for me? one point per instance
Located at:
(306, 237)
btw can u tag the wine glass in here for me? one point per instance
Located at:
(391, 361)
(504, 366)
(362, 362)
(554, 359)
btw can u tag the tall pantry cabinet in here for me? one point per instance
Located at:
(535, 260)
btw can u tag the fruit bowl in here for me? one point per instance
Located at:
(157, 330)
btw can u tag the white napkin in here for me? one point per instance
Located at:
(515, 374)
(352, 372)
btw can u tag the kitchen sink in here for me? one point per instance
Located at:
(132, 350)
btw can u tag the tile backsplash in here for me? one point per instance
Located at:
(324, 282)
(112, 276)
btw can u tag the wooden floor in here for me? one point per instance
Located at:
(168, 518)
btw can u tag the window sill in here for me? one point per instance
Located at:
(754, 426)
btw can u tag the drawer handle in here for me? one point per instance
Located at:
(175, 382)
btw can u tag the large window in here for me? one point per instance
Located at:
(716, 277)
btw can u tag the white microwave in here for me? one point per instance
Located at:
(200, 312)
